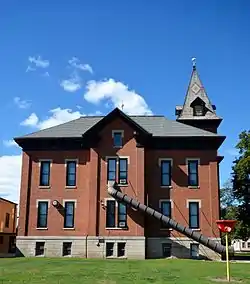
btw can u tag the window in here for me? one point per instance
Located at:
(165, 173)
(198, 110)
(193, 173)
(166, 249)
(165, 210)
(69, 214)
(122, 215)
(42, 214)
(121, 249)
(109, 249)
(243, 244)
(111, 220)
(194, 215)
(67, 248)
(117, 138)
(1, 240)
(71, 173)
(45, 173)
(39, 248)
(248, 245)
(7, 220)
(194, 250)
(112, 169)
(118, 170)
(123, 171)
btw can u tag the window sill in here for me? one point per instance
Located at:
(167, 186)
(44, 186)
(42, 228)
(70, 187)
(194, 186)
(195, 230)
(70, 229)
(166, 229)
(123, 185)
(117, 228)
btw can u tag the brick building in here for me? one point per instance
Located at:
(171, 166)
(8, 214)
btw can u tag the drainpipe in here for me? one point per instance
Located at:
(86, 246)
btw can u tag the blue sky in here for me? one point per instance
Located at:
(89, 56)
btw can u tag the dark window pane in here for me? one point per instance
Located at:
(194, 215)
(165, 210)
(110, 214)
(193, 173)
(109, 249)
(111, 169)
(69, 214)
(7, 220)
(122, 215)
(117, 139)
(45, 173)
(121, 249)
(166, 173)
(42, 214)
(123, 171)
(71, 173)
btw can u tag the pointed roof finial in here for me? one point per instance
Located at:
(194, 63)
(122, 106)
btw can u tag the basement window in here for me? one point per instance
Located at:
(110, 249)
(40, 248)
(1, 240)
(121, 249)
(194, 250)
(67, 248)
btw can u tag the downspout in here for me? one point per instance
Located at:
(86, 246)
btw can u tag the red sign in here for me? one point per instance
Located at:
(226, 226)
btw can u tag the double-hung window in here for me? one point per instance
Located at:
(117, 138)
(117, 170)
(71, 173)
(193, 178)
(166, 169)
(42, 214)
(165, 210)
(69, 214)
(194, 215)
(45, 173)
(116, 214)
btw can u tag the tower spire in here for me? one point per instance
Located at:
(197, 109)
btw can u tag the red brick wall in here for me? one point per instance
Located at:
(90, 217)
(179, 193)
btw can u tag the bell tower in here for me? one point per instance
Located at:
(197, 109)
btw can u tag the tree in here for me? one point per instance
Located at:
(241, 184)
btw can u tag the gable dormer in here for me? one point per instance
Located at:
(197, 109)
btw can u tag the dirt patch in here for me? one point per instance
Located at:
(223, 279)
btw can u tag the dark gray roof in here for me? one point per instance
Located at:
(156, 125)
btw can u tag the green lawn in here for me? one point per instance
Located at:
(74, 271)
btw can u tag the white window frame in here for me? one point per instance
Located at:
(116, 206)
(51, 162)
(70, 200)
(122, 134)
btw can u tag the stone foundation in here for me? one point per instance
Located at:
(179, 248)
(86, 247)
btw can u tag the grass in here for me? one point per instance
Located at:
(76, 271)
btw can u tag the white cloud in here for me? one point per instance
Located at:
(46, 74)
(39, 62)
(21, 103)
(10, 176)
(232, 152)
(71, 85)
(118, 94)
(9, 143)
(75, 62)
(30, 69)
(58, 116)
(32, 120)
